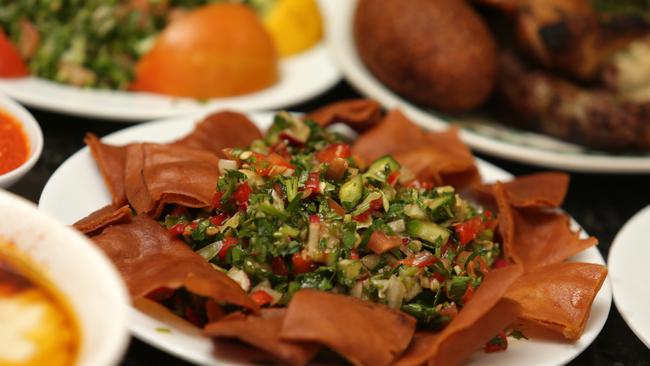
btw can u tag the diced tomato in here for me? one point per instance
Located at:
(419, 184)
(490, 222)
(216, 200)
(469, 293)
(279, 266)
(193, 225)
(334, 206)
(314, 219)
(218, 219)
(161, 294)
(362, 217)
(192, 317)
(499, 263)
(376, 204)
(438, 276)
(261, 297)
(468, 230)
(354, 254)
(427, 185)
(280, 148)
(381, 243)
(278, 160)
(178, 229)
(11, 65)
(226, 244)
(301, 265)
(393, 177)
(332, 152)
(266, 165)
(313, 182)
(498, 343)
(241, 195)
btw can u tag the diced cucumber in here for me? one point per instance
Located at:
(428, 231)
(351, 191)
(380, 168)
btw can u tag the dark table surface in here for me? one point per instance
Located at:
(600, 203)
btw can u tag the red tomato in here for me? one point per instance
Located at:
(216, 200)
(381, 243)
(241, 195)
(313, 182)
(218, 219)
(178, 229)
(332, 152)
(422, 260)
(469, 293)
(192, 317)
(377, 204)
(393, 177)
(279, 266)
(261, 297)
(227, 244)
(301, 265)
(314, 219)
(212, 51)
(354, 254)
(362, 217)
(11, 65)
(438, 276)
(498, 343)
(468, 230)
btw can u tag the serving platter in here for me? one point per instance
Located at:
(627, 265)
(302, 77)
(77, 188)
(480, 132)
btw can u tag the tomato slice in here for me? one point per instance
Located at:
(498, 343)
(468, 230)
(332, 152)
(381, 243)
(228, 243)
(241, 195)
(301, 265)
(11, 65)
(261, 297)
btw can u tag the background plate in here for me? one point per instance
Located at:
(77, 188)
(628, 271)
(480, 133)
(302, 77)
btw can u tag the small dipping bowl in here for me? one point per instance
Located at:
(34, 136)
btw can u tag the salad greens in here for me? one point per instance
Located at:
(92, 43)
(298, 210)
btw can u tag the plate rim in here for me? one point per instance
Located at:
(338, 28)
(639, 218)
(150, 337)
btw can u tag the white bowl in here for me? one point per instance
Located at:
(34, 135)
(79, 270)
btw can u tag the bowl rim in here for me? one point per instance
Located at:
(29, 124)
(113, 343)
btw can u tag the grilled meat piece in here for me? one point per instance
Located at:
(598, 118)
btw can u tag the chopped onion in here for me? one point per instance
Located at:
(395, 292)
(398, 226)
(414, 211)
(210, 251)
(357, 290)
(239, 276)
(225, 165)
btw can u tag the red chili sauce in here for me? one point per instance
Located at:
(14, 145)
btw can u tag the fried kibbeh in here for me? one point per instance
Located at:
(438, 53)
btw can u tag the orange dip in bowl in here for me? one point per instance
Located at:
(14, 145)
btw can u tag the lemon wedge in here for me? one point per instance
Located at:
(295, 25)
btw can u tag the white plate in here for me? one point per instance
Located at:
(627, 262)
(79, 270)
(77, 188)
(490, 138)
(302, 77)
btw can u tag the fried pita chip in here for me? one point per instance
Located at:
(439, 157)
(148, 258)
(263, 333)
(540, 190)
(559, 296)
(535, 238)
(477, 322)
(102, 218)
(365, 333)
(159, 174)
(221, 130)
(110, 160)
(357, 113)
